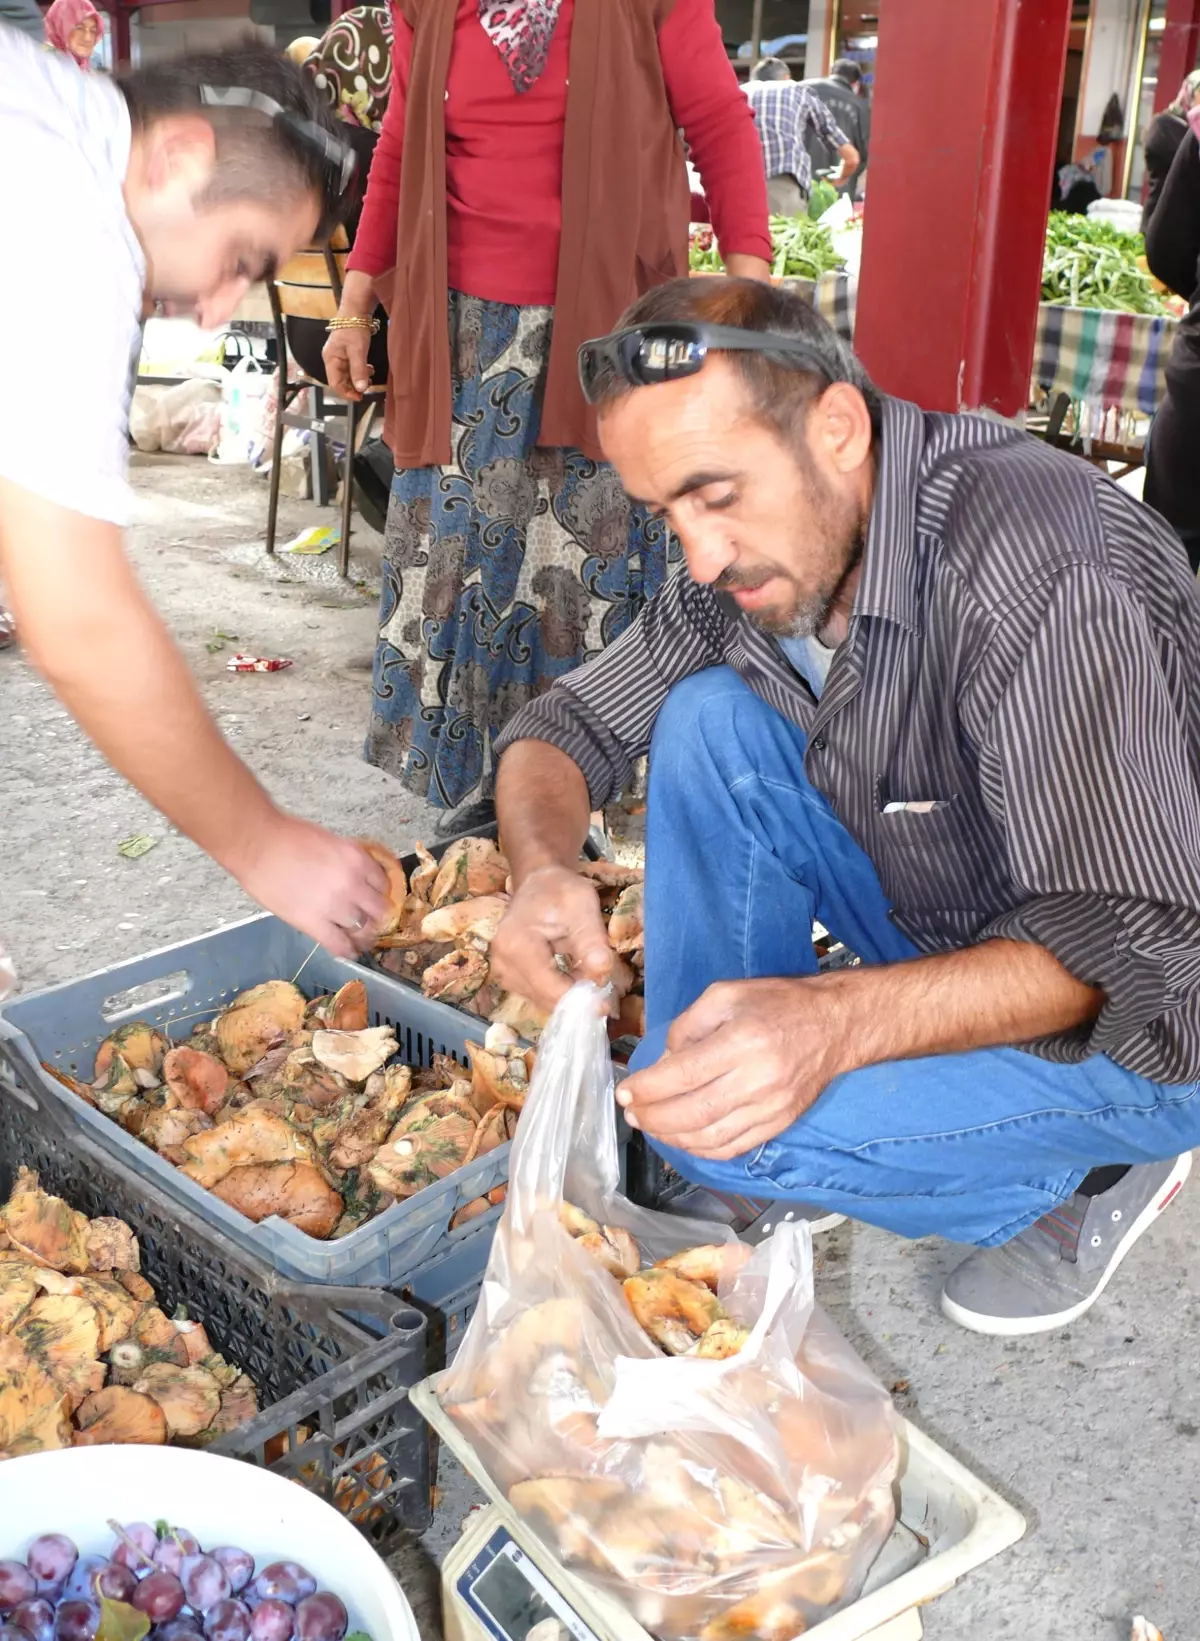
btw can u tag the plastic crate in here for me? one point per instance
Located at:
(333, 1363)
(446, 1290)
(192, 981)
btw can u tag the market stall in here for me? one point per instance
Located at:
(1103, 337)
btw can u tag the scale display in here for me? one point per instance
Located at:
(514, 1599)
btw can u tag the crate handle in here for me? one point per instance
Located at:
(150, 994)
(15, 1055)
(14, 1091)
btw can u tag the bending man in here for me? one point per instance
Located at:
(929, 682)
(183, 184)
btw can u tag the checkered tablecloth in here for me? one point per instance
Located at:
(834, 296)
(1104, 362)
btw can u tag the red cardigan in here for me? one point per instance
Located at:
(504, 155)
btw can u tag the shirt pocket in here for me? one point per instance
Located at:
(928, 861)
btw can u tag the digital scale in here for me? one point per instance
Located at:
(500, 1582)
(496, 1589)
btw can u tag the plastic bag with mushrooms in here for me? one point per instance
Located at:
(671, 1414)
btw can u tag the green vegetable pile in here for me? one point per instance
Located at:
(1090, 264)
(802, 249)
(823, 195)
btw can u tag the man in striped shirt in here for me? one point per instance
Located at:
(932, 683)
(788, 115)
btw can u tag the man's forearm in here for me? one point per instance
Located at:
(543, 805)
(88, 627)
(1000, 992)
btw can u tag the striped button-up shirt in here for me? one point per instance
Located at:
(1024, 650)
(784, 112)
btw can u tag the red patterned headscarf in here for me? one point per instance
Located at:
(65, 15)
(521, 31)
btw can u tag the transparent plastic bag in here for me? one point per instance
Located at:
(716, 1498)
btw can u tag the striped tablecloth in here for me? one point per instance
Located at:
(1104, 362)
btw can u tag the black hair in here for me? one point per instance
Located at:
(259, 155)
(780, 390)
(771, 68)
(848, 70)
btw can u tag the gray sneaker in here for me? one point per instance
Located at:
(1058, 1268)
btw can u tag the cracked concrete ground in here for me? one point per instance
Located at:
(1094, 1433)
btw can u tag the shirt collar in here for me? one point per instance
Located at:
(888, 586)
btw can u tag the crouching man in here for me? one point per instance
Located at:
(931, 683)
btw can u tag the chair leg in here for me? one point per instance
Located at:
(319, 450)
(348, 487)
(276, 465)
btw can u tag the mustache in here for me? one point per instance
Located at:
(743, 581)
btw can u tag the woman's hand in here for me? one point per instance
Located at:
(738, 266)
(346, 367)
(345, 351)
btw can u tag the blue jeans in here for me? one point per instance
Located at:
(742, 855)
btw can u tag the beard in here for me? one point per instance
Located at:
(840, 540)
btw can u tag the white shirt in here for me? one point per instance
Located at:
(811, 659)
(71, 281)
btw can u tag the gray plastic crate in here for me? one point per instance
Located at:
(179, 985)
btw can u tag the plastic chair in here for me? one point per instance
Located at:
(310, 287)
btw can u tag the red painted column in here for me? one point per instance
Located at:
(962, 160)
(1180, 45)
(119, 17)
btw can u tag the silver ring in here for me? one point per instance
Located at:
(357, 925)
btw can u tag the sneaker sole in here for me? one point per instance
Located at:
(1010, 1327)
(827, 1222)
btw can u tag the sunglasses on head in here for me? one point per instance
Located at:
(339, 158)
(646, 355)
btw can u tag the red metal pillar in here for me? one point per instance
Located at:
(1180, 46)
(962, 158)
(118, 17)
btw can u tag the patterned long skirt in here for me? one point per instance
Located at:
(503, 571)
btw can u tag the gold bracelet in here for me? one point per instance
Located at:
(353, 322)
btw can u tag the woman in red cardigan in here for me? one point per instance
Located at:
(511, 563)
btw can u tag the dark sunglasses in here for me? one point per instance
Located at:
(645, 355)
(339, 159)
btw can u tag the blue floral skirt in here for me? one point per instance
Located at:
(503, 571)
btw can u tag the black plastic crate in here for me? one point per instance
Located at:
(333, 1366)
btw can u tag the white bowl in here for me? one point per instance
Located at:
(222, 1501)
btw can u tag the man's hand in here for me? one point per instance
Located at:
(555, 912)
(751, 1056)
(741, 1065)
(326, 886)
(850, 157)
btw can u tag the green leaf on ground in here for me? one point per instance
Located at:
(133, 848)
(219, 640)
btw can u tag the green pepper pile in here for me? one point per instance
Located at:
(1090, 264)
(802, 249)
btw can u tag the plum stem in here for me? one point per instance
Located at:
(131, 1544)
